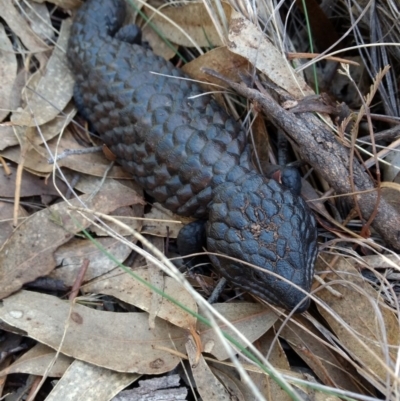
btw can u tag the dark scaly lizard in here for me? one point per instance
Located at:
(190, 155)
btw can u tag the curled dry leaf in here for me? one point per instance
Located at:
(356, 317)
(248, 41)
(28, 253)
(194, 21)
(36, 362)
(252, 320)
(8, 73)
(54, 88)
(117, 341)
(85, 382)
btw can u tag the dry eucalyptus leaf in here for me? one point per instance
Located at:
(131, 216)
(69, 258)
(55, 126)
(358, 306)
(37, 159)
(39, 19)
(276, 356)
(158, 45)
(116, 341)
(124, 287)
(308, 343)
(6, 220)
(54, 89)
(88, 183)
(8, 73)
(85, 382)
(247, 40)
(20, 27)
(194, 20)
(28, 253)
(7, 136)
(162, 222)
(157, 280)
(36, 362)
(229, 64)
(31, 185)
(252, 320)
(209, 387)
(34, 162)
(229, 377)
(47, 131)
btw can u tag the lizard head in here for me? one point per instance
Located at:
(261, 222)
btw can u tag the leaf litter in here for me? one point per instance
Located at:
(349, 341)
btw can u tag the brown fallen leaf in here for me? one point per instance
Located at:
(69, 258)
(194, 21)
(116, 341)
(39, 19)
(45, 100)
(252, 320)
(20, 27)
(28, 253)
(307, 342)
(247, 40)
(8, 73)
(6, 220)
(229, 377)
(157, 280)
(159, 46)
(209, 387)
(124, 287)
(36, 361)
(220, 59)
(356, 317)
(276, 356)
(37, 159)
(31, 185)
